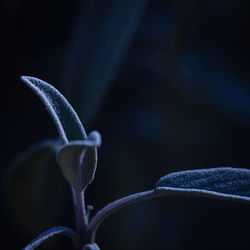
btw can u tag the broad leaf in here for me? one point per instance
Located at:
(78, 160)
(32, 182)
(53, 232)
(64, 116)
(223, 183)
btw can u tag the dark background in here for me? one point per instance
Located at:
(167, 84)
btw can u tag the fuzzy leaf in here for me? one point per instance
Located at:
(64, 116)
(223, 183)
(78, 160)
(53, 232)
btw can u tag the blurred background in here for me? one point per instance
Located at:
(167, 84)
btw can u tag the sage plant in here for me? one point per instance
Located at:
(77, 159)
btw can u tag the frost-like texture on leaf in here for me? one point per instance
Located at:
(53, 232)
(64, 116)
(223, 183)
(78, 160)
(93, 246)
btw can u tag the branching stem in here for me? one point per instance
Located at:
(114, 206)
(80, 213)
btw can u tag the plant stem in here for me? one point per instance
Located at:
(80, 213)
(114, 206)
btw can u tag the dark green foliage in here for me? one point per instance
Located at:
(223, 183)
(63, 115)
(78, 160)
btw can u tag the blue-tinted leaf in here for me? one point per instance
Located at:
(33, 180)
(100, 41)
(53, 232)
(224, 183)
(92, 246)
(78, 160)
(64, 116)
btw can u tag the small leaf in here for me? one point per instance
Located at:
(78, 160)
(92, 246)
(223, 183)
(53, 232)
(67, 122)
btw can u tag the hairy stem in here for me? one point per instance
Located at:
(80, 212)
(114, 206)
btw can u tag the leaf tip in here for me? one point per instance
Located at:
(96, 138)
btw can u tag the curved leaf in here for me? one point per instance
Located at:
(78, 160)
(53, 232)
(223, 183)
(67, 122)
